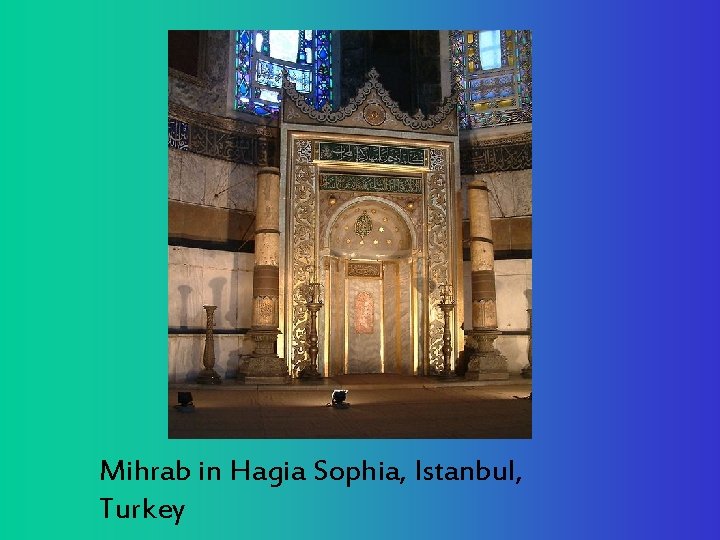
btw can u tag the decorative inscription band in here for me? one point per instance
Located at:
(364, 270)
(356, 182)
(377, 154)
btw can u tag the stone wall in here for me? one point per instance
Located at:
(196, 179)
(213, 156)
(220, 278)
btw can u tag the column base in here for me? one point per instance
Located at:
(526, 372)
(208, 376)
(263, 370)
(264, 366)
(487, 366)
(486, 363)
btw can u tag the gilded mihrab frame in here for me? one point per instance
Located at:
(368, 152)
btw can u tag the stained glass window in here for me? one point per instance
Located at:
(261, 56)
(491, 72)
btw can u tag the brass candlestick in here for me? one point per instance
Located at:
(447, 305)
(310, 372)
(527, 370)
(208, 375)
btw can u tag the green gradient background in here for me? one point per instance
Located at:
(84, 216)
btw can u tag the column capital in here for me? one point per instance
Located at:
(477, 183)
(268, 170)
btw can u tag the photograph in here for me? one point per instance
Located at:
(350, 227)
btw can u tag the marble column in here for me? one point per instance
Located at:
(486, 362)
(264, 366)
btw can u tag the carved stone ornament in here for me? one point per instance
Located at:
(374, 114)
(371, 106)
(363, 225)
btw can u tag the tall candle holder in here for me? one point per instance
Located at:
(310, 372)
(527, 370)
(447, 305)
(208, 375)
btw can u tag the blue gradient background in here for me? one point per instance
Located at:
(625, 270)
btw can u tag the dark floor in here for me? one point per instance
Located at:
(382, 406)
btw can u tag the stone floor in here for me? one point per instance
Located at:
(382, 407)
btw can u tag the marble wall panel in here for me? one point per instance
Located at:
(511, 302)
(198, 276)
(184, 357)
(198, 179)
(391, 318)
(185, 292)
(364, 348)
(510, 267)
(174, 173)
(406, 336)
(241, 187)
(513, 282)
(244, 262)
(336, 309)
(225, 260)
(185, 352)
(192, 178)
(217, 175)
(515, 349)
(218, 291)
(186, 256)
(510, 193)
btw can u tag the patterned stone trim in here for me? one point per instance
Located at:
(231, 147)
(375, 184)
(478, 158)
(238, 148)
(445, 118)
(212, 121)
(221, 138)
(438, 257)
(178, 134)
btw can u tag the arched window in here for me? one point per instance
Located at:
(262, 55)
(491, 72)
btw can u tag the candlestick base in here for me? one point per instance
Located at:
(208, 376)
(310, 374)
(446, 374)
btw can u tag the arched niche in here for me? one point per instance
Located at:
(369, 245)
(391, 235)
